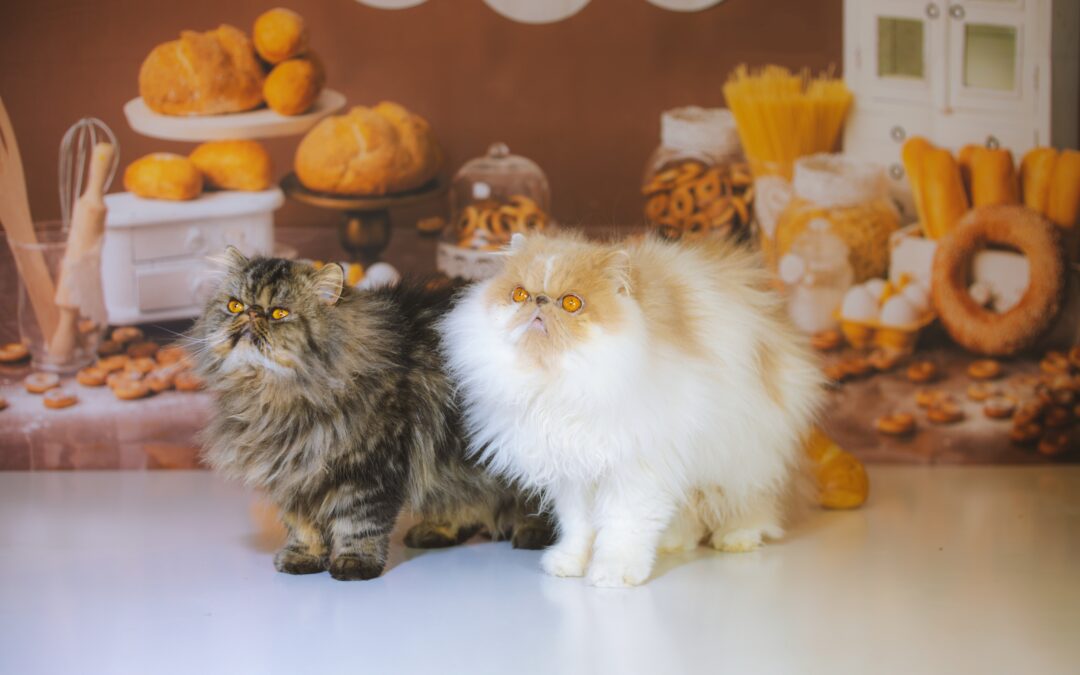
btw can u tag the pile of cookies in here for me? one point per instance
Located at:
(690, 199)
(488, 225)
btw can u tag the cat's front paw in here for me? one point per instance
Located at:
(294, 562)
(618, 573)
(353, 567)
(564, 562)
(532, 536)
(738, 541)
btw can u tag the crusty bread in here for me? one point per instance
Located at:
(163, 175)
(293, 85)
(233, 165)
(202, 74)
(368, 151)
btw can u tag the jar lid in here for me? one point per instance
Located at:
(838, 181)
(692, 128)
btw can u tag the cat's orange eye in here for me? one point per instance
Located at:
(235, 306)
(277, 314)
(571, 302)
(519, 295)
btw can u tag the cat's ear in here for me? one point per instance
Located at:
(517, 242)
(617, 267)
(329, 282)
(231, 259)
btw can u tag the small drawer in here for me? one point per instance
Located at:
(175, 240)
(169, 287)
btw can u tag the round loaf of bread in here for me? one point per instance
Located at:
(202, 74)
(163, 175)
(293, 85)
(368, 151)
(279, 34)
(233, 165)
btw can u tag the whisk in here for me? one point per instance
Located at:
(75, 149)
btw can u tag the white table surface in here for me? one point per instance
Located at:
(946, 570)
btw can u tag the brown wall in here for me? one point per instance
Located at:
(582, 97)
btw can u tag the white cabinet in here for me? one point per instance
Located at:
(999, 72)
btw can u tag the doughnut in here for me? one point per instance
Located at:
(59, 398)
(1053, 443)
(896, 424)
(91, 377)
(125, 334)
(127, 389)
(188, 381)
(138, 368)
(13, 352)
(161, 380)
(985, 369)
(656, 206)
(138, 350)
(999, 407)
(921, 372)
(944, 412)
(706, 188)
(682, 202)
(39, 383)
(1057, 417)
(109, 348)
(826, 341)
(980, 330)
(981, 391)
(1054, 363)
(112, 363)
(924, 398)
(171, 354)
(1025, 433)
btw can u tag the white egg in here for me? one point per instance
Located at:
(379, 274)
(918, 296)
(875, 287)
(898, 311)
(859, 305)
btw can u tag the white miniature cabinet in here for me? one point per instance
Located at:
(998, 72)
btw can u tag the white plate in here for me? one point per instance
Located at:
(261, 123)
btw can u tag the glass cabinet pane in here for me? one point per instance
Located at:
(900, 47)
(989, 56)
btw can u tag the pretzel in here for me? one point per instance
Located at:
(138, 368)
(171, 354)
(110, 348)
(1053, 443)
(188, 381)
(1057, 417)
(59, 398)
(127, 389)
(1025, 433)
(984, 369)
(1054, 363)
(980, 391)
(925, 398)
(944, 412)
(682, 202)
(112, 363)
(707, 188)
(125, 334)
(999, 407)
(884, 360)
(138, 350)
(896, 424)
(13, 352)
(688, 171)
(39, 383)
(921, 372)
(656, 206)
(91, 377)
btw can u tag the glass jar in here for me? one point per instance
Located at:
(816, 274)
(492, 198)
(696, 182)
(853, 197)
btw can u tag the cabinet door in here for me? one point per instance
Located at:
(991, 64)
(900, 44)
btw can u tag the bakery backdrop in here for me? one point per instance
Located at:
(582, 97)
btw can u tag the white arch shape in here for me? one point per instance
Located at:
(684, 5)
(537, 11)
(391, 4)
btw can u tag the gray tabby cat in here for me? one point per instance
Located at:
(335, 402)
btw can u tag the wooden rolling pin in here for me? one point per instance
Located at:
(15, 217)
(87, 230)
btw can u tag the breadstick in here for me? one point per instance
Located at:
(911, 154)
(993, 178)
(1036, 173)
(943, 192)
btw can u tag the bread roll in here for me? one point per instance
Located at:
(943, 193)
(368, 151)
(163, 175)
(1036, 172)
(202, 74)
(911, 154)
(233, 165)
(993, 178)
(293, 85)
(279, 34)
(1063, 203)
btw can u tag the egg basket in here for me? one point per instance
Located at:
(863, 334)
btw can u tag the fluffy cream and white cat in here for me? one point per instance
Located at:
(653, 392)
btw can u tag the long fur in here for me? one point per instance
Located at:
(342, 412)
(672, 406)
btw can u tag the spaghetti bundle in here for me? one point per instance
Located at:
(782, 116)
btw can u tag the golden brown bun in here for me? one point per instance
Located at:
(368, 151)
(163, 175)
(202, 74)
(279, 34)
(233, 165)
(293, 85)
